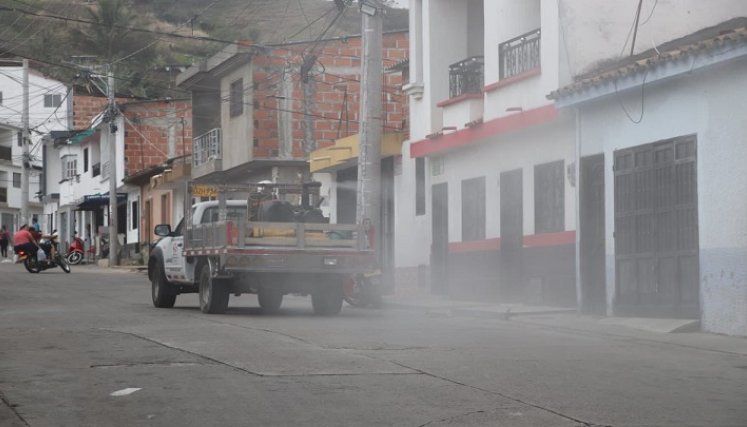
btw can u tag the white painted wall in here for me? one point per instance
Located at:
(711, 105)
(597, 29)
(413, 232)
(238, 132)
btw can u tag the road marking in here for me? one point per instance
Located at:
(124, 392)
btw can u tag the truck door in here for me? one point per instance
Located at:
(173, 255)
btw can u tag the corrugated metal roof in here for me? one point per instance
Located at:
(733, 31)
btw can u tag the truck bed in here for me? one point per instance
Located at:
(288, 247)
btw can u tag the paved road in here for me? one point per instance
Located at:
(68, 342)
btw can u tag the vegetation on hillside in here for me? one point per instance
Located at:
(147, 40)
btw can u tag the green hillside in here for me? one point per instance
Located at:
(146, 39)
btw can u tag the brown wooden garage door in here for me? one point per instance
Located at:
(656, 229)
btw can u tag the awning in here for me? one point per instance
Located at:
(344, 153)
(96, 201)
(76, 136)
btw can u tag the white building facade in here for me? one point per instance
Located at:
(487, 200)
(49, 110)
(667, 130)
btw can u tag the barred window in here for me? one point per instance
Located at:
(549, 197)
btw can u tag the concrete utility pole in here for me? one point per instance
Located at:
(309, 142)
(111, 141)
(369, 158)
(26, 158)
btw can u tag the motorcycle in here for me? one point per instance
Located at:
(363, 290)
(75, 252)
(51, 256)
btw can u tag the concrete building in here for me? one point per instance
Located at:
(486, 202)
(148, 134)
(259, 111)
(49, 107)
(661, 140)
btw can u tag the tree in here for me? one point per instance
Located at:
(110, 38)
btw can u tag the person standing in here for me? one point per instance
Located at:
(4, 240)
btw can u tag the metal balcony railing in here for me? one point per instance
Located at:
(519, 54)
(466, 76)
(208, 146)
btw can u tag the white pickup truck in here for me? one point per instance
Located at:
(268, 247)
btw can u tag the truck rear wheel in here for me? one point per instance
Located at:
(270, 299)
(161, 292)
(327, 298)
(213, 294)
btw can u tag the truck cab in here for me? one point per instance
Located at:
(170, 249)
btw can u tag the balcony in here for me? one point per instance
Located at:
(466, 102)
(206, 147)
(520, 54)
(466, 77)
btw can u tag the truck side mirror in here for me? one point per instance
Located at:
(163, 230)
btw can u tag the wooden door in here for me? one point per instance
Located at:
(512, 234)
(440, 239)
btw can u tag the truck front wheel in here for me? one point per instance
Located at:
(161, 292)
(213, 294)
(327, 298)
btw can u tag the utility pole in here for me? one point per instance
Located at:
(309, 142)
(25, 158)
(111, 141)
(369, 158)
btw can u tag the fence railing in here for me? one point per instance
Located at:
(519, 54)
(466, 76)
(208, 146)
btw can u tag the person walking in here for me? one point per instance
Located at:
(4, 240)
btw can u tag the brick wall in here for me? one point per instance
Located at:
(147, 125)
(336, 81)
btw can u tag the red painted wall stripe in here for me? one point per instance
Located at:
(513, 79)
(494, 127)
(475, 246)
(459, 99)
(532, 241)
(550, 239)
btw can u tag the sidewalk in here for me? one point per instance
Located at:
(680, 332)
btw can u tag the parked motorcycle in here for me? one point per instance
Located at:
(75, 252)
(49, 256)
(363, 290)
